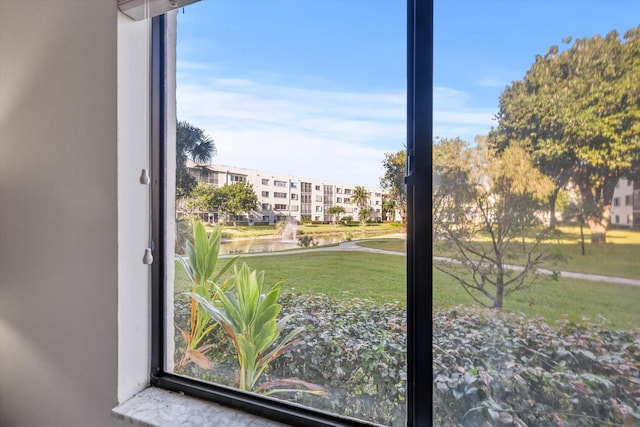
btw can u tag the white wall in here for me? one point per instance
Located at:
(59, 213)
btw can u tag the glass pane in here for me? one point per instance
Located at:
(290, 114)
(535, 269)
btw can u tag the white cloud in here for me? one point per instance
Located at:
(337, 136)
(321, 134)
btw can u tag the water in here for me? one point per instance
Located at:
(271, 244)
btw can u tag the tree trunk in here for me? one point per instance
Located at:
(552, 208)
(598, 227)
(498, 301)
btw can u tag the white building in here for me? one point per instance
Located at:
(625, 206)
(282, 196)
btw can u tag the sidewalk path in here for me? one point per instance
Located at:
(353, 246)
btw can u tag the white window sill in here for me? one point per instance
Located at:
(155, 407)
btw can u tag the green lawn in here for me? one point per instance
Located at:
(381, 278)
(387, 244)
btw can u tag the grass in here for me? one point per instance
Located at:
(382, 278)
(387, 244)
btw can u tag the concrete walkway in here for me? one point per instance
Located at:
(353, 246)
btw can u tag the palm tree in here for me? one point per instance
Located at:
(360, 197)
(335, 211)
(191, 144)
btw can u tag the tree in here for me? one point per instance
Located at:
(360, 197)
(486, 210)
(236, 198)
(191, 144)
(335, 211)
(364, 214)
(392, 182)
(577, 112)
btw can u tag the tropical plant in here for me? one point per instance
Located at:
(249, 318)
(360, 196)
(200, 263)
(335, 212)
(364, 214)
(191, 144)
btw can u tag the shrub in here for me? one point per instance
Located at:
(491, 369)
(346, 349)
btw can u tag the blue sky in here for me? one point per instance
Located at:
(317, 88)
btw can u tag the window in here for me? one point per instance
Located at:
(338, 190)
(280, 207)
(347, 200)
(318, 198)
(629, 219)
(347, 191)
(280, 183)
(616, 201)
(294, 208)
(278, 195)
(617, 219)
(265, 181)
(237, 178)
(627, 200)
(265, 218)
(266, 206)
(317, 188)
(293, 185)
(190, 379)
(338, 199)
(294, 196)
(265, 194)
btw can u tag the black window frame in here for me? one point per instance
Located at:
(419, 238)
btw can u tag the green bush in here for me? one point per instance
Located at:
(352, 347)
(493, 369)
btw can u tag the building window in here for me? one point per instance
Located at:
(265, 218)
(265, 194)
(317, 188)
(627, 200)
(338, 199)
(616, 201)
(294, 208)
(294, 185)
(280, 183)
(617, 219)
(294, 196)
(318, 198)
(347, 191)
(266, 206)
(629, 219)
(278, 195)
(347, 200)
(318, 208)
(265, 181)
(237, 178)
(338, 190)
(280, 207)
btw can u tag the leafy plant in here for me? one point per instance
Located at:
(200, 265)
(249, 318)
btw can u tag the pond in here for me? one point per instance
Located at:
(243, 246)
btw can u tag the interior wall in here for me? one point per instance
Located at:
(58, 213)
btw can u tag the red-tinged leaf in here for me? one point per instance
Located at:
(199, 359)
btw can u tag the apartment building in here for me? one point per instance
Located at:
(625, 206)
(285, 196)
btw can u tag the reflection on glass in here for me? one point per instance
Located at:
(536, 214)
(290, 272)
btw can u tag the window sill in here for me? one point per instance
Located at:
(156, 407)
